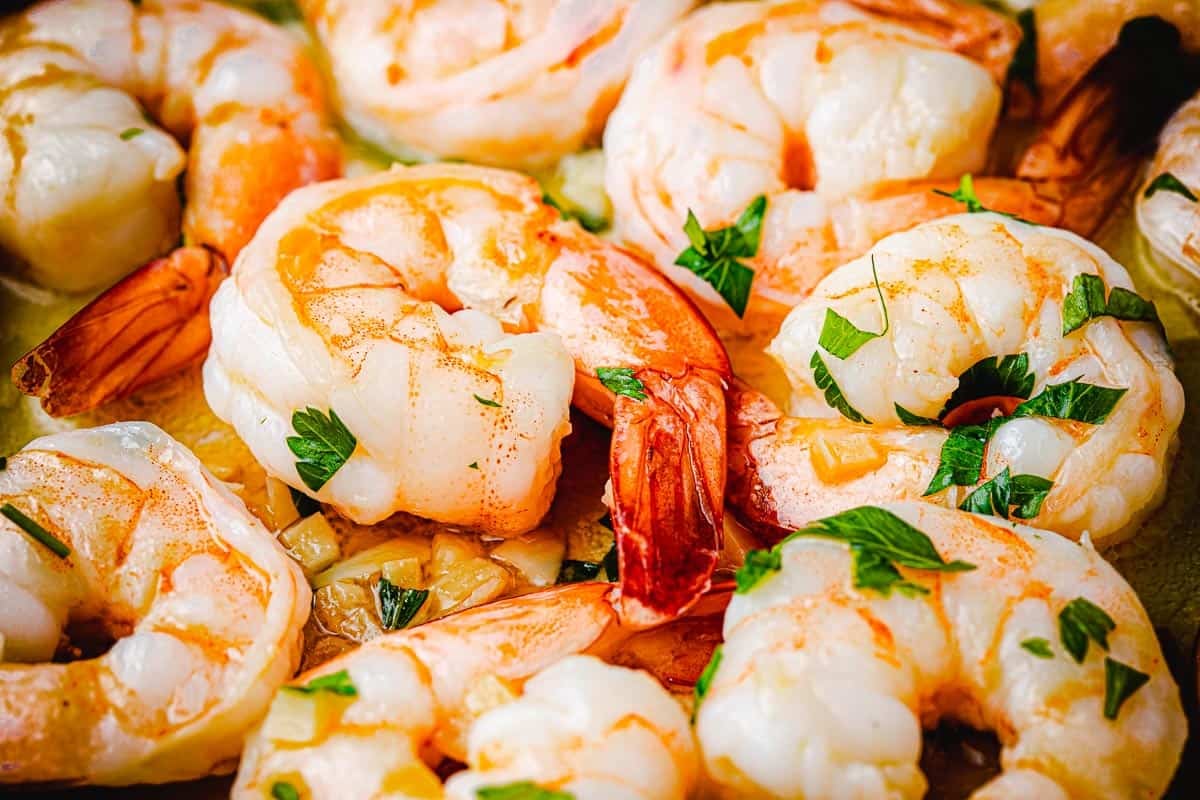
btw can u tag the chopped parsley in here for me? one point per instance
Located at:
(397, 606)
(1080, 621)
(323, 445)
(1120, 682)
(994, 376)
(282, 790)
(706, 678)
(758, 565)
(573, 571)
(833, 393)
(1026, 492)
(337, 683)
(621, 380)
(1073, 400)
(281, 12)
(965, 194)
(840, 337)
(483, 401)
(35, 531)
(473, 465)
(714, 254)
(1166, 182)
(1086, 302)
(590, 223)
(521, 790)
(916, 420)
(961, 460)
(1038, 646)
(131, 133)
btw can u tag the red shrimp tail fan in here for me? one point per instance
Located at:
(668, 480)
(145, 328)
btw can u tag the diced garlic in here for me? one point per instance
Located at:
(312, 542)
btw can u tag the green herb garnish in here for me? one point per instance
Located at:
(324, 444)
(398, 606)
(337, 683)
(1081, 620)
(1166, 182)
(713, 255)
(757, 567)
(994, 376)
(1038, 646)
(588, 222)
(965, 194)
(840, 337)
(961, 459)
(1086, 302)
(131, 133)
(35, 531)
(282, 790)
(1026, 492)
(621, 380)
(483, 401)
(1120, 682)
(833, 393)
(705, 680)
(473, 465)
(1073, 400)
(521, 790)
(916, 420)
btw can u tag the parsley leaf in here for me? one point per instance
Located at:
(280, 12)
(1023, 67)
(573, 571)
(965, 194)
(758, 566)
(1086, 301)
(713, 255)
(1081, 620)
(35, 531)
(337, 683)
(909, 418)
(483, 401)
(873, 571)
(323, 446)
(961, 459)
(994, 376)
(131, 133)
(1166, 182)
(1073, 400)
(521, 790)
(1026, 492)
(282, 790)
(833, 393)
(590, 223)
(1038, 646)
(706, 678)
(398, 606)
(621, 380)
(473, 465)
(1120, 682)
(840, 337)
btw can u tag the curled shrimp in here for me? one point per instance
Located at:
(513, 689)
(433, 309)
(91, 180)
(973, 291)
(824, 685)
(1166, 215)
(516, 84)
(153, 552)
(895, 101)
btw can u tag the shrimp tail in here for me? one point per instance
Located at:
(752, 416)
(668, 481)
(145, 328)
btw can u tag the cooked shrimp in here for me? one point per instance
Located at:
(453, 688)
(958, 291)
(895, 99)
(517, 83)
(348, 300)
(824, 685)
(204, 607)
(1169, 218)
(91, 181)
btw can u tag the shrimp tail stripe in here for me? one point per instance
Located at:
(713, 254)
(840, 337)
(521, 790)
(1080, 621)
(1086, 302)
(622, 381)
(35, 531)
(879, 541)
(1166, 182)
(323, 445)
(706, 678)
(398, 606)
(336, 683)
(1120, 682)
(996, 496)
(965, 194)
(833, 393)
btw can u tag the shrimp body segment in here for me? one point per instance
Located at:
(518, 83)
(204, 606)
(503, 688)
(958, 291)
(823, 688)
(447, 316)
(807, 103)
(1168, 219)
(92, 179)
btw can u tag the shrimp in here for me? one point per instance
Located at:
(971, 378)
(509, 689)
(896, 100)
(118, 533)
(432, 309)
(1168, 217)
(514, 84)
(823, 685)
(91, 180)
